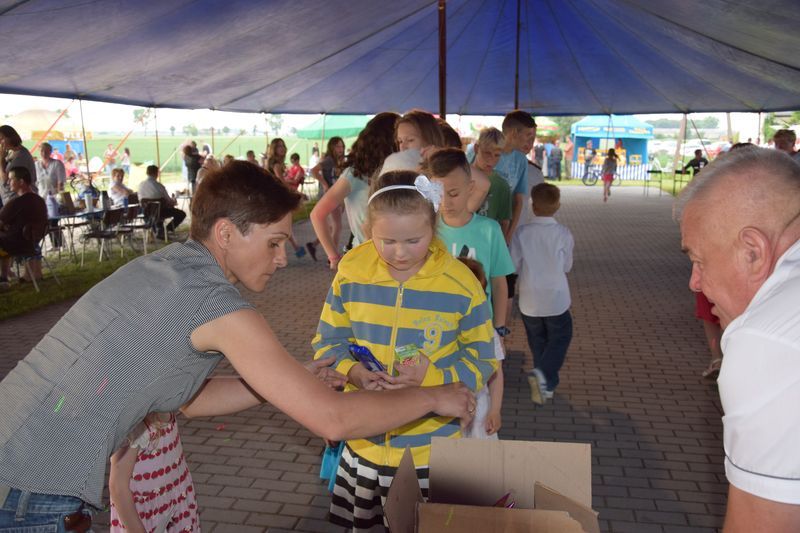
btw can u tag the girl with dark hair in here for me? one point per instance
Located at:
(326, 172)
(373, 145)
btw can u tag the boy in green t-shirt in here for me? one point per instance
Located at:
(469, 235)
(479, 238)
(497, 205)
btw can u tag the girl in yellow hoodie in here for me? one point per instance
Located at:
(401, 291)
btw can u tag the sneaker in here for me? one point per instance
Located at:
(547, 394)
(312, 250)
(540, 376)
(300, 252)
(536, 390)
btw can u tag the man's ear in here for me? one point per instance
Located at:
(757, 253)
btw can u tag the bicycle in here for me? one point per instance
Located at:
(594, 175)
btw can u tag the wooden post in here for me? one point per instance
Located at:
(322, 141)
(730, 128)
(85, 143)
(516, 59)
(158, 148)
(442, 60)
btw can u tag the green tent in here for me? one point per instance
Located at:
(334, 126)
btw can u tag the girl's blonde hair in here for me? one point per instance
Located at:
(399, 201)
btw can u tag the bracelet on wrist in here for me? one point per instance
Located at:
(502, 331)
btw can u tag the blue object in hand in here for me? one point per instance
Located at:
(365, 357)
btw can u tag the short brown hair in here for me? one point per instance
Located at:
(22, 173)
(450, 135)
(242, 192)
(545, 197)
(399, 201)
(517, 120)
(787, 134)
(442, 162)
(477, 268)
(426, 124)
(118, 172)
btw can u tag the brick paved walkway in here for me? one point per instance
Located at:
(630, 387)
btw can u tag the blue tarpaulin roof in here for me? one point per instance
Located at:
(612, 126)
(363, 56)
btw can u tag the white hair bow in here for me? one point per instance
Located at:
(430, 190)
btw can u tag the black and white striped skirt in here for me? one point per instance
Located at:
(360, 492)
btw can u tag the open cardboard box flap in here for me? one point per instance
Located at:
(545, 476)
(437, 517)
(479, 471)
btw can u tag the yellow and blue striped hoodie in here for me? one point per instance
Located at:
(442, 309)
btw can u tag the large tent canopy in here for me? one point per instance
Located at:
(363, 56)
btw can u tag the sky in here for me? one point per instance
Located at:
(104, 117)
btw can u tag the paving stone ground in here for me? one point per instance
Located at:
(630, 387)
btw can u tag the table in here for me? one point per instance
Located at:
(71, 222)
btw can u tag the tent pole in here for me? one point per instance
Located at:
(730, 128)
(681, 140)
(85, 143)
(758, 133)
(516, 59)
(322, 141)
(158, 148)
(213, 148)
(442, 60)
(266, 142)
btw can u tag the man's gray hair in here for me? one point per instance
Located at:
(751, 160)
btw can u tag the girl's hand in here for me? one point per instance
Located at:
(493, 422)
(363, 378)
(409, 375)
(333, 262)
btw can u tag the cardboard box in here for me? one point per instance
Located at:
(550, 482)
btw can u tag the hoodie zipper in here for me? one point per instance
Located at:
(392, 341)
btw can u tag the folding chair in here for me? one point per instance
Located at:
(108, 231)
(157, 220)
(34, 233)
(144, 218)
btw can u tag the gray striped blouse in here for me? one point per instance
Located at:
(122, 351)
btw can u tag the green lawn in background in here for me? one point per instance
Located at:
(75, 280)
(143, 148)
(143, 151)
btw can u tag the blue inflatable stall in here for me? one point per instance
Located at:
(627, 134)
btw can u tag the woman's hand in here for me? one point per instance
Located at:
(330, 377)
(455, 399)
(363, 378)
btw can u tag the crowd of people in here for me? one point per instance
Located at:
(410, 340)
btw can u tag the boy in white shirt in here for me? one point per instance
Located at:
(542, 255)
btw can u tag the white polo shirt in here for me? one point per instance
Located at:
(542, 255)
(759, 386)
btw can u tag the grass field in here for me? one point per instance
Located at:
(143, 150)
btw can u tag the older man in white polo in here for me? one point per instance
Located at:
(740, 226)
